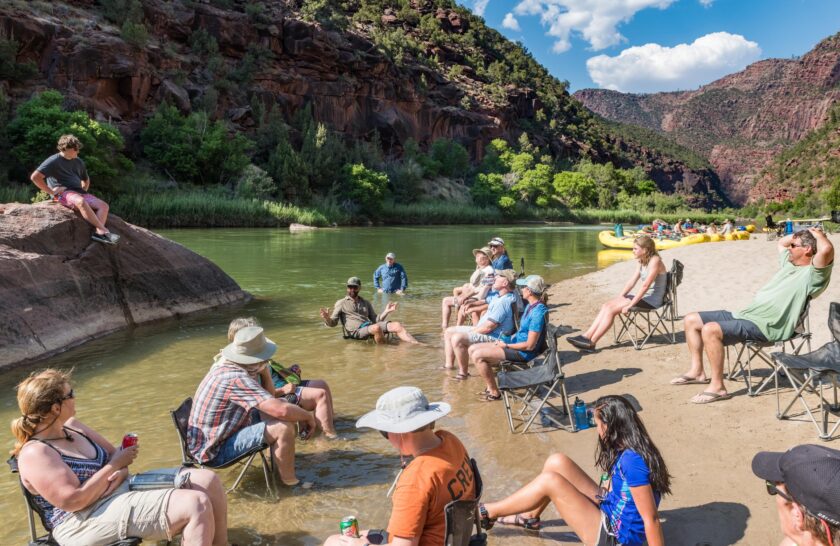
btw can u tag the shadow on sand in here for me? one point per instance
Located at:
(712, 524)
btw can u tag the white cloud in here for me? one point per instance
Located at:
(652, 67)
(511, 23)
(706, 3)
(595, 20)
(480, 5)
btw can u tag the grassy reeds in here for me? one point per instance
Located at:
(16, 193)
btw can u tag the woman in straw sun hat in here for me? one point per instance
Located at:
(439, 471)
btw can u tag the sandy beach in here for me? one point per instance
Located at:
(708, 448)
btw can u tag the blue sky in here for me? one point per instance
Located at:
(658, 45)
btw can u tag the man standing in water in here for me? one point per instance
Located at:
(65, 177)
(360, 320)
(390, 277)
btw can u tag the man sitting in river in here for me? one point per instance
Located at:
(806, 259)
(360, 320)
(223, 422)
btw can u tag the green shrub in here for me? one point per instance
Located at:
(38, 123)
(575, 190)
(366, 189)
(134, 34)
(453, 158)
(255, 183)
(193, 148)
(488, 189)
(120, 11)
(405, 178)
(534, 183)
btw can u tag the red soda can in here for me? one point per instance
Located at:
(129, 440)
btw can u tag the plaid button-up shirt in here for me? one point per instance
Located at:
(220, 408)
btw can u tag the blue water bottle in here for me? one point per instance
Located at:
(581, 419)
(619, 230)
(788, 226)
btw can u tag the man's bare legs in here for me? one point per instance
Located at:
(94, 216)
(208, 482)
(702, 338)
(448, 351)
(605, 317)
(280, 435)
(316, 396)
(446, 310)
(485, 356)
(563, 483)
(460, 343)
(393, 328)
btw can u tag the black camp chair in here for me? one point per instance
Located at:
(752, 350)
(642, 323)
(32, 508)
(462, 517)
(181, 417)
(527, 389)
(812, 373)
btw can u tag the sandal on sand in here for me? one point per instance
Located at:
(529, 524)
(461, 376)
(711, 397)
(445, 368)
(685, 380)
(487, 397)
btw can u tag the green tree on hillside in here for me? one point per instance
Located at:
(575, 190)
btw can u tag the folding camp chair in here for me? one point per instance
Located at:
(462, 517)
(32, 508)
(750, 350)
(180, 418)
(346, 334)
(531, 386)
(811, 373)
(642, 323)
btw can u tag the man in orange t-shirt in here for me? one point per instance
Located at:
(439, 473)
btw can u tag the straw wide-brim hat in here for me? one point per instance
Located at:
(249, 346)
(484, 250)
(403, 409)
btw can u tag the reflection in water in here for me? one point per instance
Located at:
(130, 380)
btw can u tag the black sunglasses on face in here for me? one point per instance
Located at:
(68, 396)
(353, 287)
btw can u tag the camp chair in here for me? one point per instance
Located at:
(750, 350)
(346, 334)
(531, 385)
(181, 417)
(812, 372)
(47, 540)
(462, 516)
(641, 323)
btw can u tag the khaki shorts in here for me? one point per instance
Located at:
(124, 514)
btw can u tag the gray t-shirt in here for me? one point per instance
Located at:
(64, 172)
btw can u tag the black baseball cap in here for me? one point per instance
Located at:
(811, 475)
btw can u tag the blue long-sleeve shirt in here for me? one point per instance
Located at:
(502, 262)
(390, 278)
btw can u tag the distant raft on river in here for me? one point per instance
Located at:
(609, 239)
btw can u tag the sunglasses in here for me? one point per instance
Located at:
(69, 395)
(797, 246)
(773, 490)
(353, 286)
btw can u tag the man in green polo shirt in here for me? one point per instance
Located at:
(806, 259)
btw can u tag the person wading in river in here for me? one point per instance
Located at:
(360, 320)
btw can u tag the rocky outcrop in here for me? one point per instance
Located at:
(58, 288)
(351, 86)
(742, 121)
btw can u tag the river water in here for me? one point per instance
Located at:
(130, 380)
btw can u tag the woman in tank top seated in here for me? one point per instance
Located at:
(651, 271)
(80, 481)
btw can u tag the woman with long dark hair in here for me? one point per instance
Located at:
(651, 271)
(621, 509)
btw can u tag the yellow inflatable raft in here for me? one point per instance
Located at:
(609, 240)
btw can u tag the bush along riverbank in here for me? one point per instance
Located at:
(202, 208)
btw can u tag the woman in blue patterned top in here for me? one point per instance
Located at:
(621, 509)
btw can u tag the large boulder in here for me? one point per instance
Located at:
(58, 288)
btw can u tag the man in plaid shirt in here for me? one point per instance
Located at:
(232, 413)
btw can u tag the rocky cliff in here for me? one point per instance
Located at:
(742, 121)
(59, 289)
(392, 76)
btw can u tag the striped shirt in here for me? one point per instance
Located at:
(220, 408)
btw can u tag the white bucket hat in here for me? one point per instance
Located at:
(250, 346)
(403, 409)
